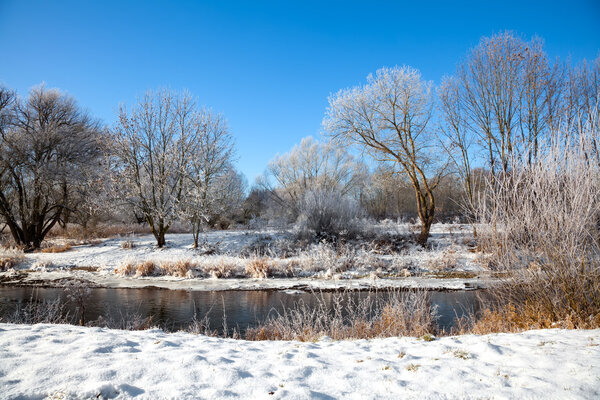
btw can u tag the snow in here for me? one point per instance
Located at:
(64, 362)
(448, 252)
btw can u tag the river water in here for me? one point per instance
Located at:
(175, 309)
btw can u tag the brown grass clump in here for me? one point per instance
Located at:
(260, 268)
(59, 248)
(147, 268)
(126, 269)
(285, 268)
(179, 268)
(375, 316)
(10, 258)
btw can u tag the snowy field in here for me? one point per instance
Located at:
(69, 362)
(448, 263)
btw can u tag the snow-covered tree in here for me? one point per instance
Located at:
(209, 178)
(152, 147)
(313, 166)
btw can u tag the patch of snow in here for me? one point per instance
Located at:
(69, 362)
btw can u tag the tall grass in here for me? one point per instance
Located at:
(377, 315)
(541, 221)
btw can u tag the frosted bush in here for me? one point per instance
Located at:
(326, 214)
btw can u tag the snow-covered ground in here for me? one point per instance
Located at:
(318, 267)
(64, 362)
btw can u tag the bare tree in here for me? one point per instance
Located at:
(457, 139)
(389, 117)
(509, 93)
(152, 146)
(208, 178)
(313, 165)
(47, 145)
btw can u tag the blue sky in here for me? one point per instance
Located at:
(268, 66)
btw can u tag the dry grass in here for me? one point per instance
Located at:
(10, 258)
(127, 245)
(178, 268)
(58, 248)
(530, 311)
(99, 231)
(374, 316)
(540, 221)
(259, 268)
(220, 268)
(145, 268)
(447, 261)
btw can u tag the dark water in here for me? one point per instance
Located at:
(175, 309)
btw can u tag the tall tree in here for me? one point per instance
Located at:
(151, 148)
(47, 146)
(208, 176)
(390, 116)
(509, 93)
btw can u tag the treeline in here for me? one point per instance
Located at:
(165, 160)
(440, 145)
(431, 151)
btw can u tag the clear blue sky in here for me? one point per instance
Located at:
(268, 66)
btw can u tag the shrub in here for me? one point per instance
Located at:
(541, 220)
(327, 215)
(127, 244)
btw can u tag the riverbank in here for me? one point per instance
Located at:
(64, 277)
(65, 361)
(259, 260)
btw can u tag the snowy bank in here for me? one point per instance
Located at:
(63, 361)
(448, 264)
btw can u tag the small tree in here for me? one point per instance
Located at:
(208, 175)
(47, 145)
(389, 117)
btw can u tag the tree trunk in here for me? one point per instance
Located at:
(426, 209)
(424, 235)
(160, 238)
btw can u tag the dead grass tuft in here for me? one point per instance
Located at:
(10, 258)
(180, 268)
(259, 268)
(59, 248)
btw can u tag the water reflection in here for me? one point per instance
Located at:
(175, 309)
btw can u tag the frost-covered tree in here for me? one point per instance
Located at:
(47, 147)
(152, 146)
(389, 117)
(209, 178)
(510, 96)
(313, 166)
